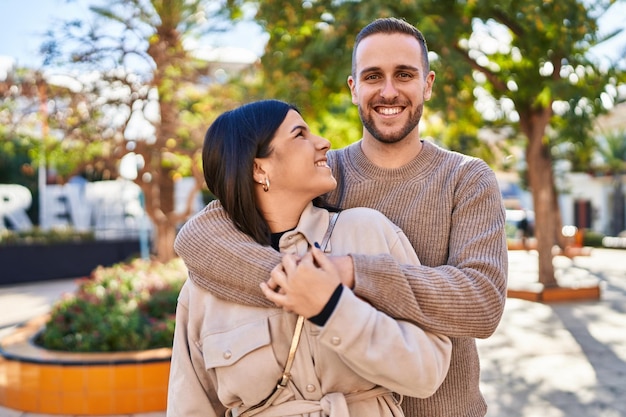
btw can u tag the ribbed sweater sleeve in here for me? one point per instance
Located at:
(222, 259)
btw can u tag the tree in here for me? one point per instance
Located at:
(522, 64)
(24, 131)
(132, 66)
(16, 163)
(542, 68)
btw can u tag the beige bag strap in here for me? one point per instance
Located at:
(284, 380)
(329, 231)
(292, 352)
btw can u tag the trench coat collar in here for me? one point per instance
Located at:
(310, 229)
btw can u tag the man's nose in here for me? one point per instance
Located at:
(389, 90)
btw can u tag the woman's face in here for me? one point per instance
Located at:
(297, 164)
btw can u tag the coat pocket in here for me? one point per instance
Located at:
(244, 363)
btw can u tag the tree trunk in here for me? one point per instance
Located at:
(165, 236)
(161, 205)
(541, 183)
(158, 191)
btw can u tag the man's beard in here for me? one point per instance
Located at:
(370, 126)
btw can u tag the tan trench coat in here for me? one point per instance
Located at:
(227, 355)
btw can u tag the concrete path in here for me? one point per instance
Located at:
(19, 303)
(545, 360)
(562, 359)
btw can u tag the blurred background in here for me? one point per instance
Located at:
(104, 104)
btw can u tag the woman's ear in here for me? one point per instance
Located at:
(258, 173)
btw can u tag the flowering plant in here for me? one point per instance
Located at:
(125, 307)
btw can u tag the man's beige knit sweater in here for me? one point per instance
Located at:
(450, 207)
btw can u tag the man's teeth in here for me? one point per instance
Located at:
(389, 111)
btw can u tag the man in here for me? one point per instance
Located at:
(523, 228)
(448, 204)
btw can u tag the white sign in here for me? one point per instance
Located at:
(14, 201)
(108, 207)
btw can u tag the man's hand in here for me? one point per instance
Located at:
(305, 286)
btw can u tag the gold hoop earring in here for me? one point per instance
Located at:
(266, 184)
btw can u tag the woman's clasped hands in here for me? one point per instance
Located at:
(304, 285)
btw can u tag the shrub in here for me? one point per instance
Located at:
(593, 239)
(47, 237)
(125, 307)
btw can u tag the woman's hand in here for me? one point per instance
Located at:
(302, 286)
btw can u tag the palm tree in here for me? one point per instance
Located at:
(612, 148)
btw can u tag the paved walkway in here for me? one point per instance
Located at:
(563, 359)
(557, 360)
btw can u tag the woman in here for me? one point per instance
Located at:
(265, 167)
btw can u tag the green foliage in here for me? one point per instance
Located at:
(510, 230)
(593, 239)
(574, 138)
(482, 51)
(46, 237)
(17, 165)
(125, 307)
(340, 124)
(612, 149)
(308, 59)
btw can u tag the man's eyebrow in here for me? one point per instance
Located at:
(403, 67)
(369, 69)
(408, 68)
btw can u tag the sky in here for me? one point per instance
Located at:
(22, 23)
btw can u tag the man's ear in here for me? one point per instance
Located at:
(428, 85)
(353, 92)
(258, 173)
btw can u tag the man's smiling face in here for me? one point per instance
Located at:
(390, 86)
